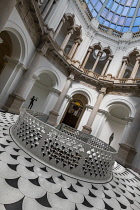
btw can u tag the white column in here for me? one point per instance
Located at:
(59, 27)
(6, 7)
(127, 150)
(83, 48)
(55, 112)
(87, 57)
(123, 68)
(97, 60)
(106, 65)
(65, 42)
(87, 127)
(115, 64)
(24, 85)
(74, 48)
(136, 67)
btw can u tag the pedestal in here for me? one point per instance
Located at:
(13, 104)
(86, 129)
(53, 118)
(126, 155)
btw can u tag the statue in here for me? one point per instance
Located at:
(32, 102)
(111, 138)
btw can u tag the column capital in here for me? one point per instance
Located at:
(71, 76)
(110, 57)
(78, 40)
(36, 78)
(103, 90)
(69, 98)
(90, 49)
(70, 30)
(100, 53)
(125, 59)
(54, 90)
(138, 58)
(89, 106)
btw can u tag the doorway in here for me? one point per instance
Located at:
(75, 111)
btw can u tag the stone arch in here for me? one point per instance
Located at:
(97, 46)
(135, 50)
(53, 73)
(13, 63)
(124, 102)
(45, 84)
(131, 60)
(84, 92)
(117, 114)
(108, 50)
(20, 41)
(75, 110)
(96, 58)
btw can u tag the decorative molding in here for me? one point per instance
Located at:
(119, 120)
(36, 78)
(54, 90)
(89, 106)
(68, 97)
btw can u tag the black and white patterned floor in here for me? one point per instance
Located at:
(26, 184)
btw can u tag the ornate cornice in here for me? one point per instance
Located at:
(108, 115)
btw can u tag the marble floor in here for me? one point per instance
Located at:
(26, 184)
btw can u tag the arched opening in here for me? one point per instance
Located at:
(75, 110)
(131, 64)
(74, 37)
(10, 55)
(114, 122)
(97, 60)
(41, 90)
(102, 60)
(92, 58)
(5, 49)
(68, 23)
(127, 73)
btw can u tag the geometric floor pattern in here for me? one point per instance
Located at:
(26, 184)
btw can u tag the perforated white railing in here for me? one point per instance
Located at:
(61, 151)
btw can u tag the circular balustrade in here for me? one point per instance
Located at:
(87, 161)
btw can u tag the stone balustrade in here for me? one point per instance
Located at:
(63, 152)
(105, 29)
(137, 34)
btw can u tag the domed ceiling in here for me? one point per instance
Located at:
(120, 15)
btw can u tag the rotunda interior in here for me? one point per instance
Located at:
(69, 104)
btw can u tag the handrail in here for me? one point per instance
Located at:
(61, 151)
(87, 138)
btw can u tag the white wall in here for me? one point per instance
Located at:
(39, 93)
(110, 126)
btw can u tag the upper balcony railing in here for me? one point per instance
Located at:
(66, 153)
(137, 34)
(110, 31)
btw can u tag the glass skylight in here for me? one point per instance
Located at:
(121, 15)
